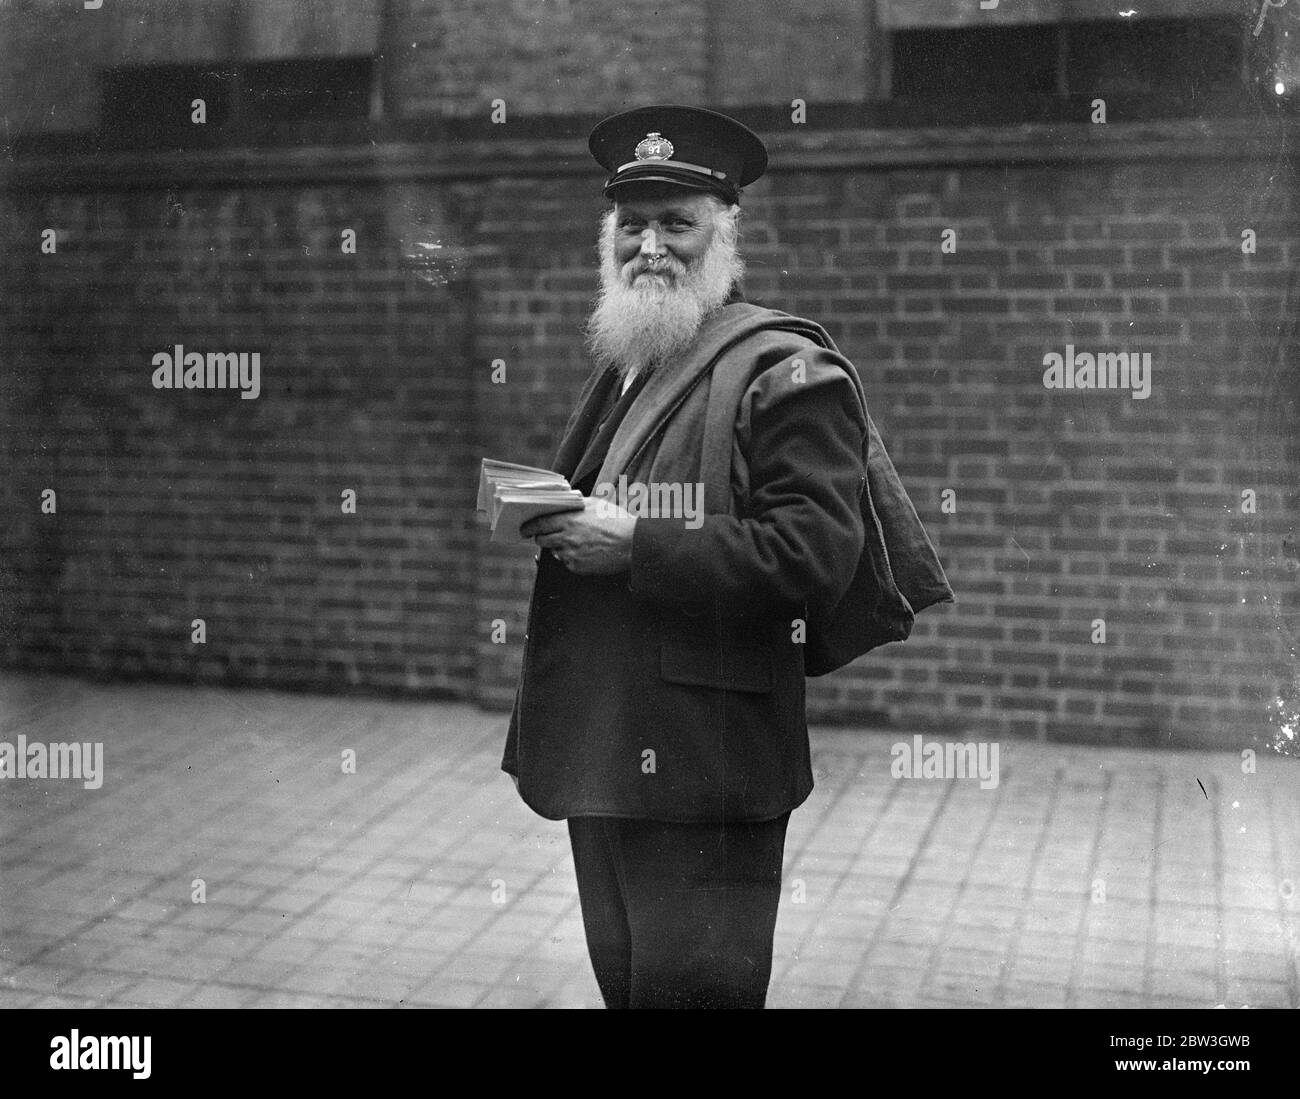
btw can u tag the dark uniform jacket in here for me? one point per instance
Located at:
(675, 691)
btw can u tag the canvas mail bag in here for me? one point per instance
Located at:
(898, 573)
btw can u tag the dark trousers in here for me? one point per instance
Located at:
(679, 915)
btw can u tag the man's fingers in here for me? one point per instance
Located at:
(544, 524)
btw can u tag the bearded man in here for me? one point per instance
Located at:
(660, 709)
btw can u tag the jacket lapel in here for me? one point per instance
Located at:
(603, 433)
(669, 385)
(583, 420)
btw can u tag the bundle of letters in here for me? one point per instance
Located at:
(511, 494)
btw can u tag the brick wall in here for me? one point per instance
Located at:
(376, 367)
(1072, 507)
(176, 505)
(554, 56)
(376, 376)
(446, 58)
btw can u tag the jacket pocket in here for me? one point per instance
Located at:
(728, 669)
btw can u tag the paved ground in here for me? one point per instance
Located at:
(1085, 878)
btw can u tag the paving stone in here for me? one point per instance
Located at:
(155, 992)
(451, 994)
(219, 996)
(327, 892)
(1262, 994)
(1032, 994)
(1104, 998)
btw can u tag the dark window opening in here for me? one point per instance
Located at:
(1189, 57)
(1151, 67)
(302, 91)
(161, 97)
(978, 61)
(153, 105)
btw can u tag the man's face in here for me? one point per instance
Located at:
(668, 258)
(673, 223)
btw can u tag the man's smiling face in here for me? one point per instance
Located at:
(668, 258)
(672, 222)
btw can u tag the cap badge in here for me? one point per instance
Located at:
(654, 147)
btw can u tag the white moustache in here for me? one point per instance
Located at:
(635, 324)
(634, 269)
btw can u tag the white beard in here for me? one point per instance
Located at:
(636, 326)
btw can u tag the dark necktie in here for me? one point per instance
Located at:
(603, 435)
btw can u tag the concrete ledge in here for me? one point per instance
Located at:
(813, 150)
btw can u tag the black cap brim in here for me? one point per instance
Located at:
(706, 151)
(622, 183)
